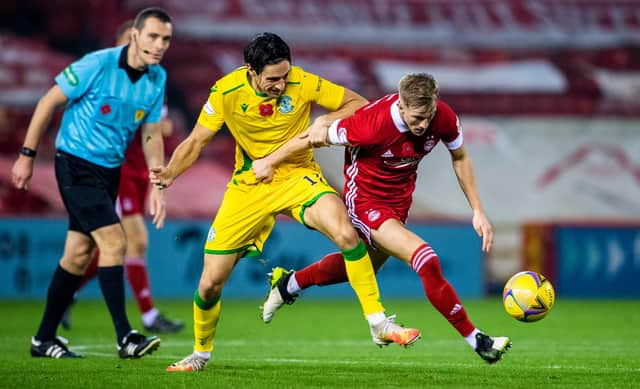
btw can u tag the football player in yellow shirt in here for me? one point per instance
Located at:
(264, 104)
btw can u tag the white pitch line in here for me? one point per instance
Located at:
(93, 350)
(367, 362)
(243, 342)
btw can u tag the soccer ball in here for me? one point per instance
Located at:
(528, 296)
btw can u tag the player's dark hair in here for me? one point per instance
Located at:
(418, 90)
(151, 12)
(266, 49)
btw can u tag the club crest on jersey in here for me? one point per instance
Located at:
(127, 204)
(430, 144)
(284, 104)
(211, 235)
(139, 114)
(208, 109)
(373, 215)
(266, 109)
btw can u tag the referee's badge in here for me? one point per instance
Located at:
(139, 114)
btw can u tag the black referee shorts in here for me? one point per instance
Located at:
(88, 191)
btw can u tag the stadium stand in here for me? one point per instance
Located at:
(521, 58)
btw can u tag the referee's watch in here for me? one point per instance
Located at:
(29, 152)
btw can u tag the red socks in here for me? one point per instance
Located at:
(424, 261)
(136, 270)
(327, 271)
(91, 271)
(443, 297)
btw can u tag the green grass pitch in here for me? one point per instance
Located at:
(326, 343)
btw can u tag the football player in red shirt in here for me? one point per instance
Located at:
(385, 141)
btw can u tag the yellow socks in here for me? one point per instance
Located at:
(205, 321)
(362, 278)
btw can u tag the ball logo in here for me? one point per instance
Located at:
(373, 215)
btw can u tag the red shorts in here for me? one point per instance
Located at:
(132, 195)
(369, 215)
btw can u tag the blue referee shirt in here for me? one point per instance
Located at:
(105, 106)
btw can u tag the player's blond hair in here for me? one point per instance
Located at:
(418, 90)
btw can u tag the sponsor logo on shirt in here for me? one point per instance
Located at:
(402, 162)
(244, 107)
(105, 109)
(387, 154)
(284, 104)
(71, 77)
(208, 109)
(139, 114)
(266, 109)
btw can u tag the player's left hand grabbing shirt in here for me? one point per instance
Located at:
(105, 107)
(261, 124)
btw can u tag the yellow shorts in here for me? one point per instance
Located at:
(248, 209)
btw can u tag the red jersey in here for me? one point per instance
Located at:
(135, 164)
(382, 160)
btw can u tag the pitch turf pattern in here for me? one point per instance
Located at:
(322, 343)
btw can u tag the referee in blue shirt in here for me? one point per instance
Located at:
(108, 94)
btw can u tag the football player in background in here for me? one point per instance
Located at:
(132, 194)
(264, 104)
(385, 141)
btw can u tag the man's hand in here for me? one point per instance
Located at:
(263, 169)
(160, 177)
(318, 133)
(484, 230)
(21, 172)
(157, 207)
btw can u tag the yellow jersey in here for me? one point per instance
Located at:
(261, 124)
